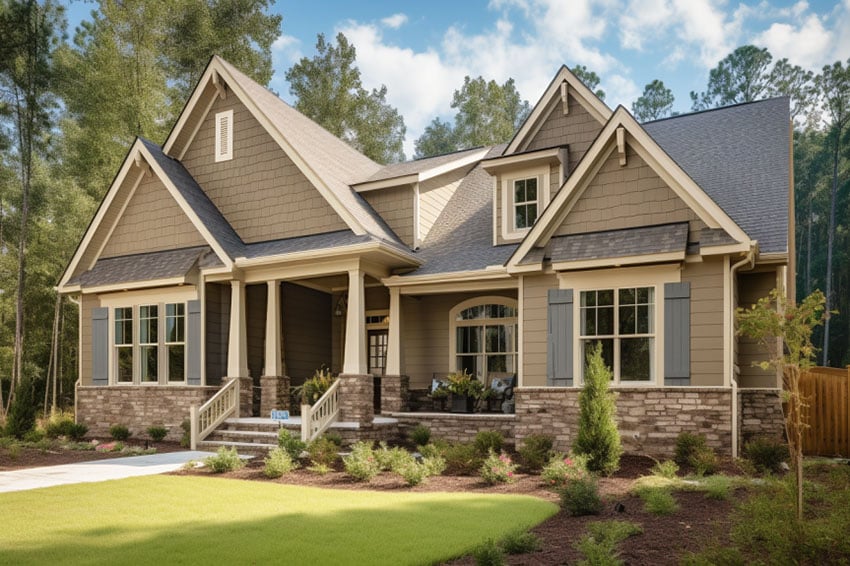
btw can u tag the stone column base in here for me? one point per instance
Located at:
(394, 393)
(274, 394)
(246, 395)
(356, 399)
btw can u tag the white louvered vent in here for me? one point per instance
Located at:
(224, 136)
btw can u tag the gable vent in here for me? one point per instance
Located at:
(224, 136)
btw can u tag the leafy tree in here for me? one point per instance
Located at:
(328, 89)
(437, 139)
(793, 81)
(590, 80)
(655, 102)
(785, 330)
(598, 437)
(742, 76)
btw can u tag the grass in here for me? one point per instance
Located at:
(177, 519)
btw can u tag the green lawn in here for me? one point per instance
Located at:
(199, 520)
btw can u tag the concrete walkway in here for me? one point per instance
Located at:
(98, 470)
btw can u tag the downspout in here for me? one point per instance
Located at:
(733, 380)
(79, 303)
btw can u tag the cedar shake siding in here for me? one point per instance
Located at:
(752, 287)
(395, 205)
(706, 279)
(260, 192)
(534, 332)
(307, 331)
(152, 221)
(576, 130)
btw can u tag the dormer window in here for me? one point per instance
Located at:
(224, 136)
(525, 203)
(525, 193)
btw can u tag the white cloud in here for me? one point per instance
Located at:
(395, 21)
(620, 90)
(805, 45)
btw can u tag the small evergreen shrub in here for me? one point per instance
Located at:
(487, 440)
(420, 435)
(59, 425)
(599, 545)
(520, 542)
(581, 497)
(278, 462)
(598, 436)
(157, 433)
(687, 444)
(186, 439)
(704, 462)
(666, 469)
(323, 452)
(224, 460)
(334, 437)
(290, 443)
(391, 459)
(462, 459)
(718, 487)
(413, 472)
(119, 432)
(536, 451)
(658, 501)
(36, 436)
(361, 463)
(435, 465)
(488, 554)
(562, 469)
(766, 454)
(21, 416)
(77, 431)
(498, 468)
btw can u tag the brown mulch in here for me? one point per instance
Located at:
(16, 459)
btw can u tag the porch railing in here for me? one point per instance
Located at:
(207, 417)
(317, 418)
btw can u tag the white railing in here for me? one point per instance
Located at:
(207, 417)
(317, 418)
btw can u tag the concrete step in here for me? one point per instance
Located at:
(243, 448)
(252, 436)
(259, 425)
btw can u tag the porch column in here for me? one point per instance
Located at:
(394, 385)
(274, 384)
(237, 347)
(356, 387)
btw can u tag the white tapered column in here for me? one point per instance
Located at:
(237, 344)
(394, 334)
(273, 361)
(355, 362)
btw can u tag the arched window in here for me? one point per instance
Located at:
(484, 337)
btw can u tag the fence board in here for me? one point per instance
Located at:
(827, 393)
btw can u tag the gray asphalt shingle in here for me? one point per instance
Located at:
(143, 267)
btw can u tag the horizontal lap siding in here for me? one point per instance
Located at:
(706, 281)
(534, 320)
(87, 303)
(752, 287)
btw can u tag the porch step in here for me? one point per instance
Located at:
(249, 436)
(260, 425)
(252, 448)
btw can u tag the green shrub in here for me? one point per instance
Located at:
(59, 425)
(498, 468)
(487, 440)
(666, 469)
(435, 465)
(278, 462)
(718, 487)
(334, 437)
(290, 443)
(224, 460)
(36, 436)
(119, 432)
(520, 542)
(323, 452)
(413, 472)
(581, 497)
(320, 469)
(21, 416)
(598, 436)
(157, 433)
(186, 439)
(686, 445)
(562, 469)
(599, 545)
(766, 454)
(77, 431)
(488, 554)
(361, 463)
(658, 501)
(462, 459)
(536, 451)
(390, 459)
(420, 435)
(704, 462)
(313, 387)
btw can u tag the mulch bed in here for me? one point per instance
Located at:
(34, 457)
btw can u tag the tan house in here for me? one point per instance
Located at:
(254, 247)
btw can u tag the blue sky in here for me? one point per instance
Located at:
(422, 50)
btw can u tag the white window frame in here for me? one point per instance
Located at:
(224, 154)
(140, 346)
(506, 321)
(168, 344)
(115, 347)
(509, 229)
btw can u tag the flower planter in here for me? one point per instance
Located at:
(462, 404)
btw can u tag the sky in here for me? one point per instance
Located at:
(422, 50)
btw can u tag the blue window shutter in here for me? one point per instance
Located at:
(100, 346)
(193, 343)
(677, 334)
(559, 358)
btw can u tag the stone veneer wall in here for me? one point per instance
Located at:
(457, 427)
(138, 407)
(274, 394)
(760, 414)
(649, 419)
(356, 399)
(394, 393)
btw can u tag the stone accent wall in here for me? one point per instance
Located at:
(356, 399)
(138, 407)
(760, 414)
(649, 419)
(274, 394)
(457, 427)
(394, 393)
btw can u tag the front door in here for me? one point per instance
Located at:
(377, 353)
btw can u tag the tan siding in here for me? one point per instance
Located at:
(626, 197)
(434, 195)
(499, 208)
(706, 281)
(152, 221)
(88, 303)
(307, 331)
(752, 287)
(396, 208)
(535, 319)
(193, 119)
(217, 315)
(554, 181)
(577, 130)
(260, 191)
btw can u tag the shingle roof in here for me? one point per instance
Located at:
(417, 165)
(740, 156)
(143, 267)
(305, 243)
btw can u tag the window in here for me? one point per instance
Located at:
(377, 344)
(124, 344)
(525, 203)
(485, 339)
(175, 341)
(148, 344)
(623, 320)
(224, 136)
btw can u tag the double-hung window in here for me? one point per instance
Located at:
(148, 344)
(124, 345)
(486, 340)
(526, 202)
(623, 320)
(175, 341)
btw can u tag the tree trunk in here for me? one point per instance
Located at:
(808, 285)
(830, 240)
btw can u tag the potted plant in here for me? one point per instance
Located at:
(464, 389)
(438, 398)
(314, 387)
(484, 399)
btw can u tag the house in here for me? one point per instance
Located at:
(254, 247)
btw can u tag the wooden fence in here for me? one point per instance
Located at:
(827, 393)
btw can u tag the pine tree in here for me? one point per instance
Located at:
(598, 437)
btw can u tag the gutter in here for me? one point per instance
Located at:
(750, 259)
